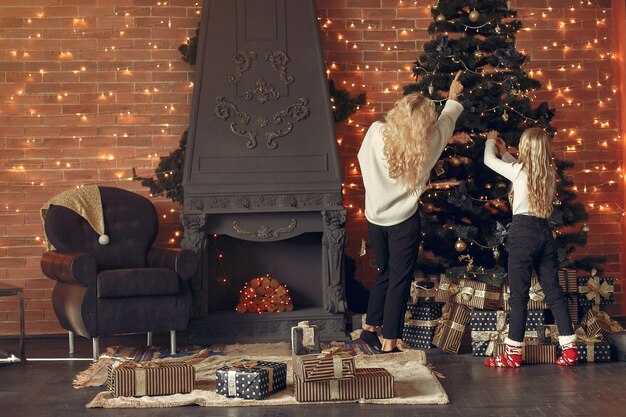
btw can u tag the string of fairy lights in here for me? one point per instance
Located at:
(564, 89)
(113, 47)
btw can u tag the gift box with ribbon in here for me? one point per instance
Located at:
(591, 349)
(537, 298)
(251, 380)
(568, 280)
(599, 324)
(533, 353)
(446, 289)
(478, 295)
(420, 322)
(491, 327)
(451, 327)
(333, 363)
(305, 339)
(422, 291)
(423, 311)
(368, 383)
(132, 379)
(595, 291)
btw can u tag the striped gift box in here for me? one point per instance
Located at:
(478, 295)
(132, 379)
(533, 353)
(368, 383)
(568, 280)
(536, 301)
(449, 333)
(324, 366)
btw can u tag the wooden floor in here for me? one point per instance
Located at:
(45, 389)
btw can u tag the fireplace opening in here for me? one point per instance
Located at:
(295, 262)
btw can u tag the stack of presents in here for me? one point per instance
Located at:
(471, 308)
(318, 375)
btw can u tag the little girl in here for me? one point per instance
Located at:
(396, 158)
(531, 244)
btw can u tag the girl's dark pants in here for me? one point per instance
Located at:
(532, 246)
(395, 249)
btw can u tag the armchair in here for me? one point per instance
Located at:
(119, 285)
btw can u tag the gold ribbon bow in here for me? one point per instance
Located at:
(604, 318)
(449, 286)
(493, 336)
(589, 341)
(467, 293)
(595, 290)
(536, 292)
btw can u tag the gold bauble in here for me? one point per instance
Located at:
(478, 54)
(455, 161)
(474, 16)
(584, 228)
(460, 245)
(440, 18)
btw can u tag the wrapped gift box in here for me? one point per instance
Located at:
(330, 364)
(132, 379)
(252, 380)
(451, 327)
(534, 353)
(422, 291)
(537, 297)
(595, 291)
(305, 339)
(568, 280)
(446, 289)
(599, 324)
(491, 327)
(419, 333)
(423, 311)
(368, 383)
(592, 351)
(478, 295)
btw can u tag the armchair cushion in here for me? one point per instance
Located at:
(71, 267)
(137, 282)
(183, 261)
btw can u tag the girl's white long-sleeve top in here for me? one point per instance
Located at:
(513, 171)
(387, 201)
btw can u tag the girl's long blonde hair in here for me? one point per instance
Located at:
(407, 128)
(536, 156)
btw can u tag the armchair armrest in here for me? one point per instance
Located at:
(183, 261)
(70, 267)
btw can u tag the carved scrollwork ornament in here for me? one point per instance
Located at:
(299, 110)
(225, 109)
(243, 62)
(262, 92)
(265, 232)
(279, 60)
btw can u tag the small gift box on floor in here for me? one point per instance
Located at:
(422, 292)
(132, 379)
(305, 339)
(488, 329)
(451, 327)
(420, 323)
(595, 291)
(534, 353)
(537, 298)
(251, 380)
(368, 383)
(333, 363)
(478, 295)
(599, 324)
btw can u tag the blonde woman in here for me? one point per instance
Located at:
(531, 244)
(396, 158)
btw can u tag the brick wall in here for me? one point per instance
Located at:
(93, 88)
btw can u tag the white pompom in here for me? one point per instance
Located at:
(103, 240)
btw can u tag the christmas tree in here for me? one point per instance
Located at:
(168, 176)
(466, 211)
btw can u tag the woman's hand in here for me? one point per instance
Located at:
(501, 146)
(455, 88)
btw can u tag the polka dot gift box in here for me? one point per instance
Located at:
(251, 380)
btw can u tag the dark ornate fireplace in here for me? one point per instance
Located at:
(262, 179)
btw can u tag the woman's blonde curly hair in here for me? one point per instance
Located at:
(536, 156)
(407, 129)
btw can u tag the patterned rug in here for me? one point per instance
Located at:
(414, 382)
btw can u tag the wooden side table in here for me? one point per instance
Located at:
(7, 290)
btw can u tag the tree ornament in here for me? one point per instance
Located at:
(440, 18)
(429, 207)
(478, 54)
(496, 253)
(431, 89)
(460, 245)
(435, 3)
(455, 161)
(498, 29)
(505, 116)
(584, 228)
(474, 16)
(514, 92)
